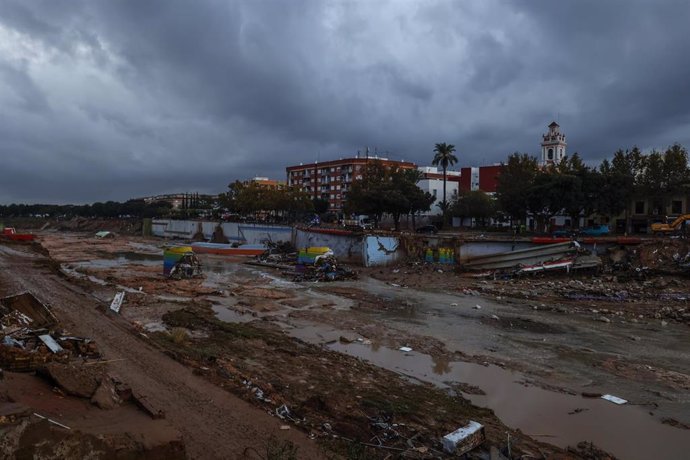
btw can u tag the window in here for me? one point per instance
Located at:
(550, 154)
(433, 192)
(676, 207)
(639, 207)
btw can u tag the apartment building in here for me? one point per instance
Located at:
(331, 180)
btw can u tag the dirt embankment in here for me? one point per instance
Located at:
(212, 423)
(77, 224)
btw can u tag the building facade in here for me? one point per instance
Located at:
(432, 182)
(332, 180)
(484, 178)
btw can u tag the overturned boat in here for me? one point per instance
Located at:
(535, 256)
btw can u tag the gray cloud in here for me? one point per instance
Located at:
(110, 100)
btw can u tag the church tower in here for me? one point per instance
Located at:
(553, 145)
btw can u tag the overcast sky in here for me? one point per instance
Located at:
(116, 99)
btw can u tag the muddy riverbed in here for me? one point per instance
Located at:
(529, 360)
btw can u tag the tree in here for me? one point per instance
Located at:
(444, 157)
(385, 190)
(320, 205)
(474, 204)
(514, 183)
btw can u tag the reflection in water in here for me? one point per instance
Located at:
(627, 431)
(441, 364)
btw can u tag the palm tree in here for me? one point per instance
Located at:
(444, 157)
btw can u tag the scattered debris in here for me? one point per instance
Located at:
(180, 262)
(105, 234)
(464, 439)
(614, 399)
(116, 304)
(324, 268)
(52, 421)
(405, 349)
(51, 343)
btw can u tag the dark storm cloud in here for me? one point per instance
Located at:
(110, 100)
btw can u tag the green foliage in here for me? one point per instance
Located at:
(443, 156)
(384, 190)
(474, 204)
(575, 189)
(252, 199)
(320, 205)
(109, 209)
(514, 183)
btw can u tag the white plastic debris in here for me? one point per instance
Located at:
(405, 349)
(614, 399)
(117, 301)
(50, 343)
(464, 439)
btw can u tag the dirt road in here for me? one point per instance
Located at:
(214, 423)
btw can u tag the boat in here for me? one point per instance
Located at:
(11, 234)
(228, 249)
(522, 257)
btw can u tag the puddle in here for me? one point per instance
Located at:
(118, 262)
(626, 431)
(228, 315)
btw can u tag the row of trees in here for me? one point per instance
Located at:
(108, 209)
(572, 188)
(260, 201)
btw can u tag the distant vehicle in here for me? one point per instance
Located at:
(562, 233)
(428, 229)
(665, 228)
(595, 230)
(363, 222)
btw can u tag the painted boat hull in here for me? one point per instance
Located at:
(228, 250)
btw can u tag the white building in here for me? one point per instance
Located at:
(432, 182)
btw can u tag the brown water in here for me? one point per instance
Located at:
(627, 431)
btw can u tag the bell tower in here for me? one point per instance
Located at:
(553, 145)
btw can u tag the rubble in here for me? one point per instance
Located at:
(76, 380)
(326, 268)
(30, 339)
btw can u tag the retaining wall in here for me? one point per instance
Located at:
(345, 247)
(234, 231)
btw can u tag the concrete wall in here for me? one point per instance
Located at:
(346, 248)
(482, 248)
(381, 250)
(234, 231)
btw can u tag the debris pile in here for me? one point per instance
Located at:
(281, 252)
(326, 268)
(29, 339)
(663, 255)
(181, 263)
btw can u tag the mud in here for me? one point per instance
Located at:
(525, 348)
